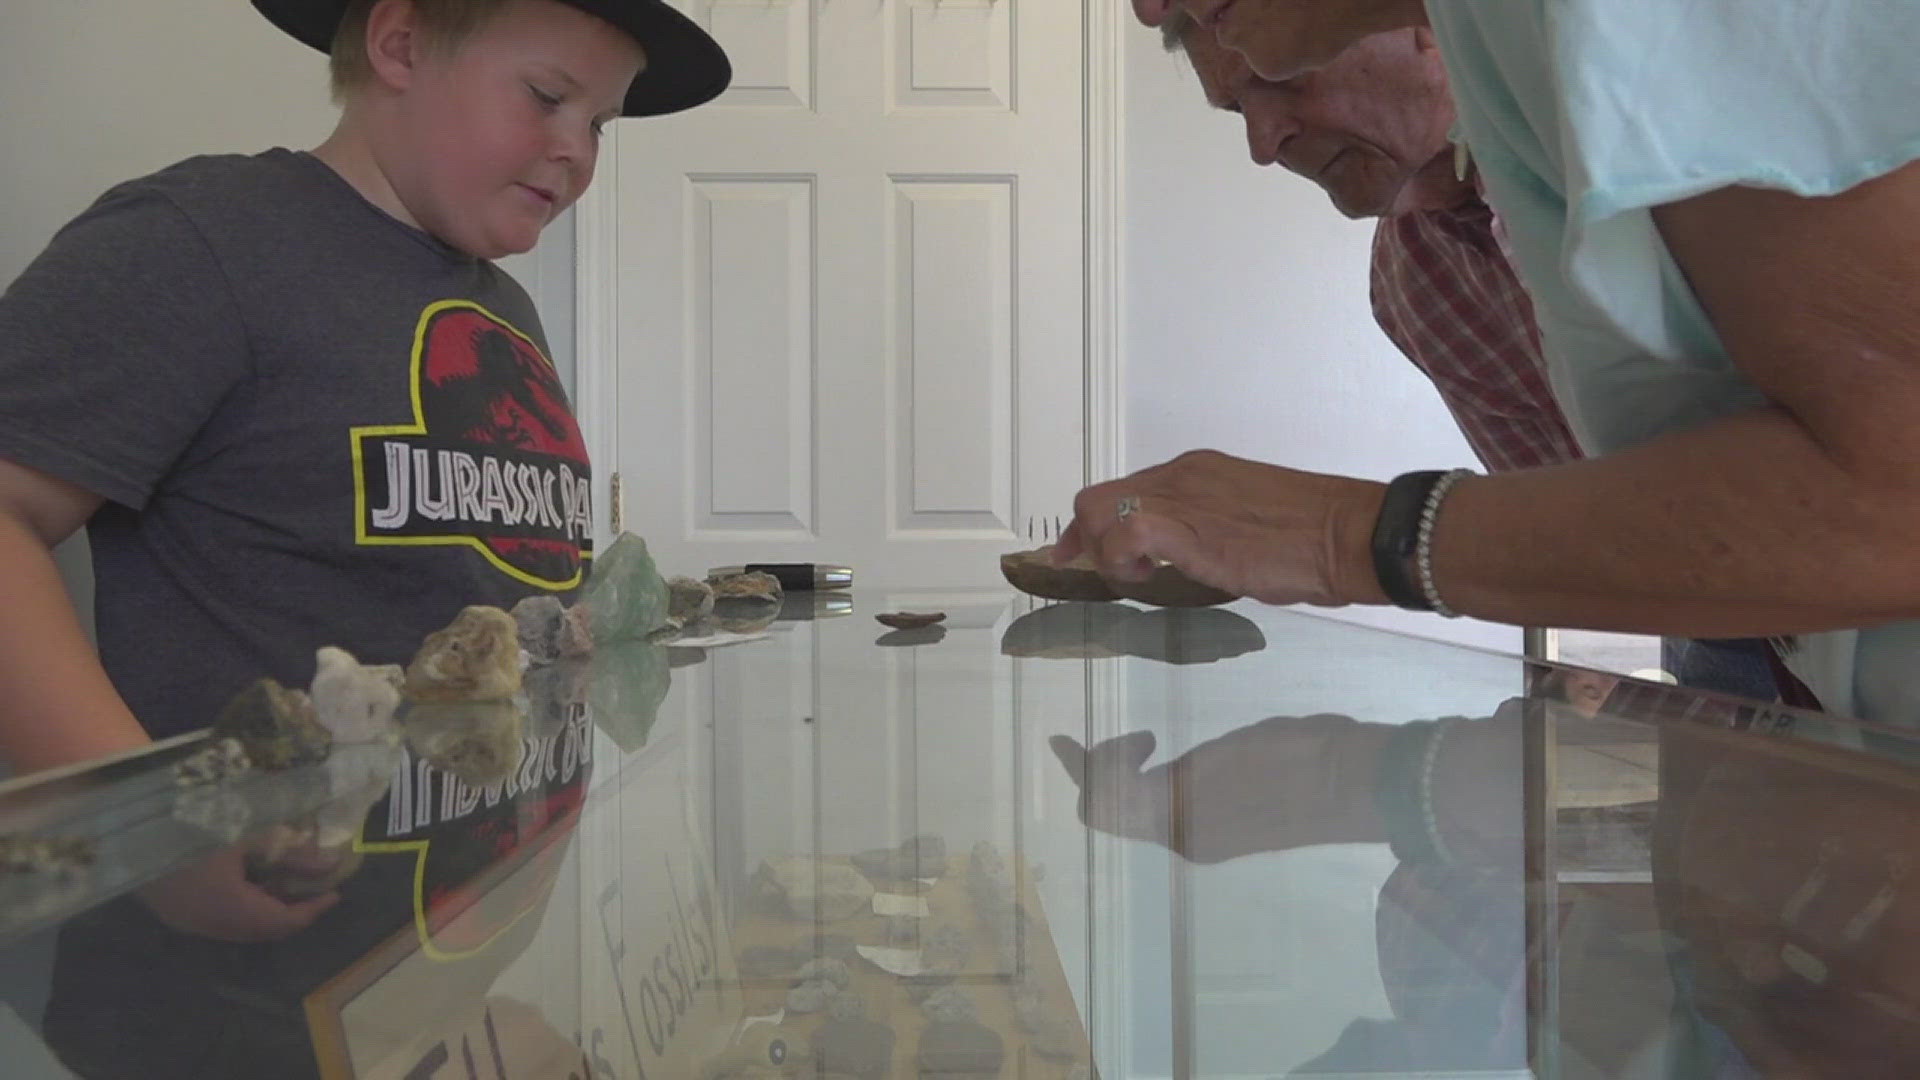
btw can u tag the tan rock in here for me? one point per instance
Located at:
(477, 657)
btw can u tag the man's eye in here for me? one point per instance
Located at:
(546, 100)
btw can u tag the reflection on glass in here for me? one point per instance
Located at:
(1053, 842)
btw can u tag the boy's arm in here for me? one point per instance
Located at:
(56, 703)
(57, 706)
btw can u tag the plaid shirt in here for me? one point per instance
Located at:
(1445, 295)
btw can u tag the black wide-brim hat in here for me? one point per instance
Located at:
(684, 68)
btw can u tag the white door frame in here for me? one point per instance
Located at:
(597, 261)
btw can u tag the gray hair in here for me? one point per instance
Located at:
(1173, 32)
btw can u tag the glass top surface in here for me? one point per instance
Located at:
(1035, 841)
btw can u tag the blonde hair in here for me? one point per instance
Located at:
(444, 23)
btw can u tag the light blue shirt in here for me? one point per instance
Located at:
(1583, 115)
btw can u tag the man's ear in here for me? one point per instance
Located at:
(393, 43)
(1423, 39)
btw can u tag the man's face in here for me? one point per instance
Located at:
(1370, 127)
(1278, 38)
(504, 134)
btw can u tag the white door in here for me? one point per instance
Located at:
(846, 300)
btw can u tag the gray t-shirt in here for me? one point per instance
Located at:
(313, 425)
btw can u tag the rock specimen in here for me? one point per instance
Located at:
(274, 725)
(827, 971)
(753, 585)
(576, 633)
(215, 809)
(1099, 631)
(809, 997)
(1186, 635)
(24, 853)
(1169, 587)
(688, 601)
(922, 856)
(1057, 1040)
(768, 961)
(625, 598)
(960, 1048)
(807, 890)
(910, 620)
(855, 1047)
(906, 639)
(922, 987)
(846, 1005)
(1029, 1006)
(217, 761)
(1033, 572)
(989, 878)
(477, 741)
(903, 931)
(552, 689)
(353, 701)
(476, 657)
(537, 620)
(1070, 631)
(741, 616)
(626, 682)
(1047, 1034)
(946, 950)
(742, 604)
(950, 1004)
(836, 947)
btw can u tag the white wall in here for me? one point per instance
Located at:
(1248, 328)
(93, 92)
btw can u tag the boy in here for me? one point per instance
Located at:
(295, 402)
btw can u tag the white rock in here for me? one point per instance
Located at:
(354, 702)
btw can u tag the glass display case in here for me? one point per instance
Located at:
(1039, 841)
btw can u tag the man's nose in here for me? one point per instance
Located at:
(1266, 132)
(1153, 12)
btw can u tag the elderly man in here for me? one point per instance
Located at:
(1371, 129)
(1726, 308)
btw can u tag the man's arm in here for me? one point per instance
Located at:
(1801, 516)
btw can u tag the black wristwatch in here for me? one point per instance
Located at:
(1396, 538)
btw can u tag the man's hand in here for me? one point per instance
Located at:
(1275, 534)
(1282, 783)
(214, 899)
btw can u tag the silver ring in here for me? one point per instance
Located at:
(1128, 504)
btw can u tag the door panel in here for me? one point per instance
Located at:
(849, 293)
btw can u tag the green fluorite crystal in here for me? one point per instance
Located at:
(626, 598)
(627, 682)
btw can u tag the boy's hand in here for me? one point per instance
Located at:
(214, 899)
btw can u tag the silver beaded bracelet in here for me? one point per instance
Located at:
(1427, 762)
(1423, 545)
